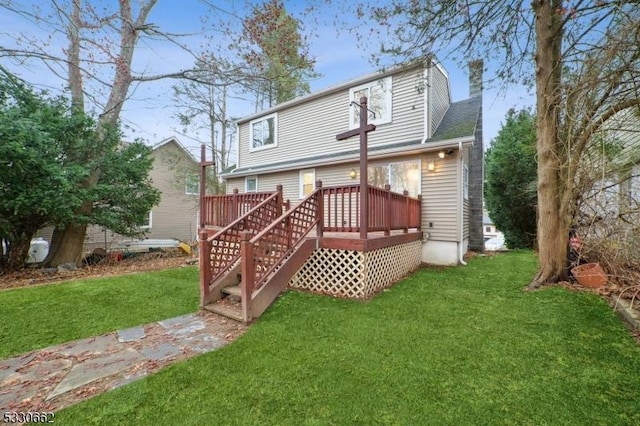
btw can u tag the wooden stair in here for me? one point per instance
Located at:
(230, 305)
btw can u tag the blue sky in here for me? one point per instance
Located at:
(150, 112)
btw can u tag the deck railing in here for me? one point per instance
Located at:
(387, 210)
(221, 210)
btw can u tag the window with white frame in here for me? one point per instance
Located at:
(401, 176)
(251, 184)
(307, 182)
(379, 102)
(148, 221)
(192, 184)
(264, 132)
(465, 182)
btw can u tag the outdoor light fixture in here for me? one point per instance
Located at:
(353, 174)
(431, 166)
(441, 154)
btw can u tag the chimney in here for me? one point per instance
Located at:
(475, 78)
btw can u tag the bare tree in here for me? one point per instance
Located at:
(97, 65)
(582, 58)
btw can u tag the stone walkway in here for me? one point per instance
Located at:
(58, 376)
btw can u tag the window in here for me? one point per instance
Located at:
(251, 184)
(465, 182)
(378, 95)
(263, 132)
(487, 229)
(147, 223)
(404, 176)
(192, 184)
(307, 182)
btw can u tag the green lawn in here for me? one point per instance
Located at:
(446, 346)
(38, 317)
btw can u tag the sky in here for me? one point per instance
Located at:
(150, 112)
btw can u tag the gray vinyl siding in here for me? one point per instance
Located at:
(466, 207)
(309, 129)
(175, 216)
(440, 96)
(440, 198)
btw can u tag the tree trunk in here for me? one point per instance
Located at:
(66, 245)
(553, 225)
(18, 252)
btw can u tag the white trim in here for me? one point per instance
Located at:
(354, 111)
(246, 179)
(237, 138)
(182, 147)
(275, 132)
(465, 182)
(301, 174)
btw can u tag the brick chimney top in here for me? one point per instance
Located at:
(475, 77)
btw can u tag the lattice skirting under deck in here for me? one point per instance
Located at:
(356, 274)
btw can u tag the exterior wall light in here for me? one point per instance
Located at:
(353, 174)
(431, 166)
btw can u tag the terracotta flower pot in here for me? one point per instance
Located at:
(590, 275)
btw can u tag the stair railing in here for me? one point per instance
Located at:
(219, 253)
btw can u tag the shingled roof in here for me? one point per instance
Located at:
(459, 121)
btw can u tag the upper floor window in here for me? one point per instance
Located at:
(264, 132)
(378, 95)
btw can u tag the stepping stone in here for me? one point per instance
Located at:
(186, 329)
(10, 365)
(96, 369)
(161, 351)
(130, 378)
(43, 370)
(131, 334)
(90, 346)
(202, 343)
(177, 321)
(15, 395)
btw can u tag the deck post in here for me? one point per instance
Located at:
(203, 180)
(234, 206)
(320, 212)
(407, 211)
(387, 209)
(248, 274)
(419, 219)
(280, 200)
(205, 266)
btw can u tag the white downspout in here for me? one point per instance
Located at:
(461, 190)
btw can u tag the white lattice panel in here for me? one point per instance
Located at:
(334, 272)
(387, 265)
(354, 274)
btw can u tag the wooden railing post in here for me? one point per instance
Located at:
(419, 218)
(407, 211)
(387, 209)
(320, 212)
(248, 274)
(280, 199)
(204, 252)
(234, 206)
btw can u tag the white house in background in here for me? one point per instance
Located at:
(489, 229)
(424, 143)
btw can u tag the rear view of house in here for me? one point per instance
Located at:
(421, 202)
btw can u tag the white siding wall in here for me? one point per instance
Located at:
(309, 129)
(440, 198)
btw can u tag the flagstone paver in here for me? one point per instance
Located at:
(58, 376)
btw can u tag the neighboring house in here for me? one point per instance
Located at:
(175, 174)
(424, 143)
(489, 229)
